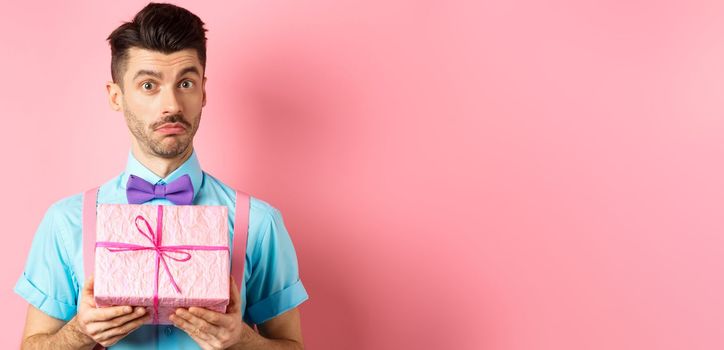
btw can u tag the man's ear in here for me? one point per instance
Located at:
(114, 95)
(203, 89)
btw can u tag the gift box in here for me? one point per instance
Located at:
(162, 257)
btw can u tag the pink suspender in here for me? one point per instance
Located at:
(238, 257)
(241, 233)
(89, 230)
(88, 213)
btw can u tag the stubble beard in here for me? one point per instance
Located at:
(159, 148)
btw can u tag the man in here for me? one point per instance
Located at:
(157, 66)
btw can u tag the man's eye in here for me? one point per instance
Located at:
(147, 86)
(186, 84)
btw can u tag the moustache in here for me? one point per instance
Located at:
(176, 118)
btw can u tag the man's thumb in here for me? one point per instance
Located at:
(88, 289)
(234, 297)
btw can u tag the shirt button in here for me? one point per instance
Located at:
(168, 330)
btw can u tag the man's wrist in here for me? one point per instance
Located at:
(252, 340)
(246, 338)
(74, 335)
(67, 337)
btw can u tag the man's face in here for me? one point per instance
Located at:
(162, 98)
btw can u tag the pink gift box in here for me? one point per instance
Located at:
(126, 257)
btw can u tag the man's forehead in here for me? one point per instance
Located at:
(142, 59)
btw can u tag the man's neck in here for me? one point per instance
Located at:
(161, 166)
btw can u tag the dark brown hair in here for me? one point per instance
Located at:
(165, 28)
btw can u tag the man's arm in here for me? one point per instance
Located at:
(214, 330)
(45, 332)
(282, 332)
(90, 325)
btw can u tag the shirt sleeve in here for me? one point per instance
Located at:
(274, 286)
(47, 280)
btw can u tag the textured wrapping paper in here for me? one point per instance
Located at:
(129, 277)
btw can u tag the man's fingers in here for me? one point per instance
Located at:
(112, 341)
(198, 324)
(192, 329)
(121, 331)
(100, 327)
(124, 329)
(108, 313)
(213, 317)
(203, 325)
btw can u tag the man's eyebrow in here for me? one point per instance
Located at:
(191, 69)
(159, 75)
(152, 73)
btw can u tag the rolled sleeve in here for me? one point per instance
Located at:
(47, 282)
(278, 303)
(274, 286)
(36, 297)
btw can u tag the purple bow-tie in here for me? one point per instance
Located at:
(179, 191)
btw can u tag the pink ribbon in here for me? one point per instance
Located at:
(162, 252)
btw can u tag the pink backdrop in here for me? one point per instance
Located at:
(454, 176)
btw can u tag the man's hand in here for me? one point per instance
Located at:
(214, 330)
(107, 325)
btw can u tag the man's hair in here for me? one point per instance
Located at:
(165, 28)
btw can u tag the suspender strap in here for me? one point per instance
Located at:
(88, 214)
(89, 230)
(241, 228)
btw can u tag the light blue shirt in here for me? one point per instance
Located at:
(54, 276)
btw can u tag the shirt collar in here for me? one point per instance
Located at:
(191, 167)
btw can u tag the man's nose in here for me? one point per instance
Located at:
(170, 102)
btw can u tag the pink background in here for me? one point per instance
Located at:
(507, 175)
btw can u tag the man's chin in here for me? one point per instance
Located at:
(171, 140)
(166, 150)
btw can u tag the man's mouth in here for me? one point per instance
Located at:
(171, 128)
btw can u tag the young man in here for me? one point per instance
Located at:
(158, 64)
